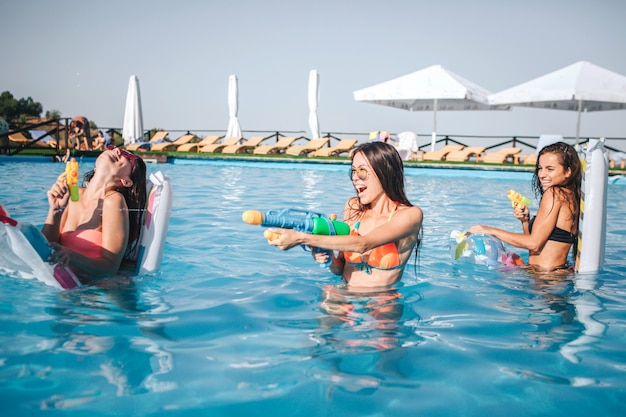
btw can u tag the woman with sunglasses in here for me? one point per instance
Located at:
(94, 234)
(385, 226)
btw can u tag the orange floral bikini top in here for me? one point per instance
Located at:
(383, 257)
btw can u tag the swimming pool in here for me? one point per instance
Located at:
(232, 326)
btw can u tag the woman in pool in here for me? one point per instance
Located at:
(94, 234)
(550, 234)
(385, 226)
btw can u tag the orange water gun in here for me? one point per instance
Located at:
(71, 176)
(517, 199)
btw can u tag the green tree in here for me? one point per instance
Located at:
(12, 109)
(53, 114)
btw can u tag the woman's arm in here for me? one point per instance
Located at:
(544, 224)
(522, 213)
(406, 222)
(58, 197)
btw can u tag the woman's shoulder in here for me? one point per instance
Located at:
(114, 199)
(556, 195)
(411, 210)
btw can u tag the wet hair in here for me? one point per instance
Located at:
(569, 159)
(135, 197)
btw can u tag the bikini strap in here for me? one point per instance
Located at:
(392, 212)
(358, 223)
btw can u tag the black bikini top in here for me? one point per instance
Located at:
(557, 235)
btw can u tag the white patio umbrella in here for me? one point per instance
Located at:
(314, 98)
(434, 88)
(580, 86)
(234, 130)
(132, 132)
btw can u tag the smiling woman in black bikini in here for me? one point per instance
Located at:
(385, 226)
(550, 234)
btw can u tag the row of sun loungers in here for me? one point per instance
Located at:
(460, 153)
(238, 145)
(319, 147)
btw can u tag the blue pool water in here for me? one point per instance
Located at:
(231, 326)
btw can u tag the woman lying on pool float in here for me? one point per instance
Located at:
(385, 226)
(95, 233)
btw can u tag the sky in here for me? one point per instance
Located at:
(77, 56)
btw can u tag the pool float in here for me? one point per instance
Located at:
(482, 249)
(592, 220)
(156, 221)
(24, 250)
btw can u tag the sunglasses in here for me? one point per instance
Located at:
(132, 158)
(361, 173)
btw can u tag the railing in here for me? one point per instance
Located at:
(59, 130)
(56, 128)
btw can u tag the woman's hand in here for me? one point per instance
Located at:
(60, 254)
(320, 256)
(479, 228)
(521, 213)
(287, 238)
(58, 195)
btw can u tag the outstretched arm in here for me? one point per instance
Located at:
(545, 222)
(407, 222)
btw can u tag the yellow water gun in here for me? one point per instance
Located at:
(71, 176)
(517, 199)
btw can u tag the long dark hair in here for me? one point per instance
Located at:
(135, 197)
(387, 164)
(568, 158)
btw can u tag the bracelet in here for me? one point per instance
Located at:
(59, 210)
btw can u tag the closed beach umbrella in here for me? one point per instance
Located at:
(132, 132)
(434, 88)
(234, 130)
(579, 87)
(314, 98)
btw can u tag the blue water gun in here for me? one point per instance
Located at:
(300, 220)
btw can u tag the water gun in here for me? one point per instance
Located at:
(300, 220)
(71, 176)
(517, 199)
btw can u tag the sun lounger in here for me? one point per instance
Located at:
(171, 146)
(46, 141)
(279, 147)
(617, 160)
(530, 159)
(441, 154)
(217, 147)
(158, 137)
(303, 150)
(246, 147)
(465, 154)
(502, 156)
(344, 145)
(19, 139)
(196, 146)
